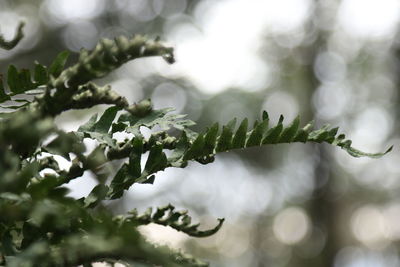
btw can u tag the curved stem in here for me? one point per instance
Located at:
(8, 45)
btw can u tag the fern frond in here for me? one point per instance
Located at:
(73, 88)
(167, 216)
(260, 135)
(107, 56)
(190, 146)
(72, 85)
(23, 81)
(99, 129)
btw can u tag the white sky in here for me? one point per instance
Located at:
(220, 48)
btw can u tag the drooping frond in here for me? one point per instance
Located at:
(211, 142)
(179, 220)
(201, 147)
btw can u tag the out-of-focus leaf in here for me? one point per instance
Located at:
(58, 64)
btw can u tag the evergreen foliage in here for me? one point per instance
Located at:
(40, 225)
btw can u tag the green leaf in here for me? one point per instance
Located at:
(176, 159)
(89, 126)
(58, 64)
(320, 135)
(239, 139)
(13, 79)
(135, 156)
(265, 116)
(118, 183)
(196, 149)
(273, 134)
(40, 74)
(290, 132)
(95, 161)
(24, 77)
(302, 134)
(19, 183)
(210, 139)
(153, 118)
(64, 144)
(256, 135)
(41, 189)
(19, 81)
(105, 121)
(224, 140)
(156, 161)
(98, 194)
(98, 130)
(231, 124)
(3, 95)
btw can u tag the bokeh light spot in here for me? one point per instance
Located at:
(368, 226)
(369, 19)
(169, 95)
(65, 11)
(281, 102)
(291, 225)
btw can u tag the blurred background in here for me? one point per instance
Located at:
(297, 205)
